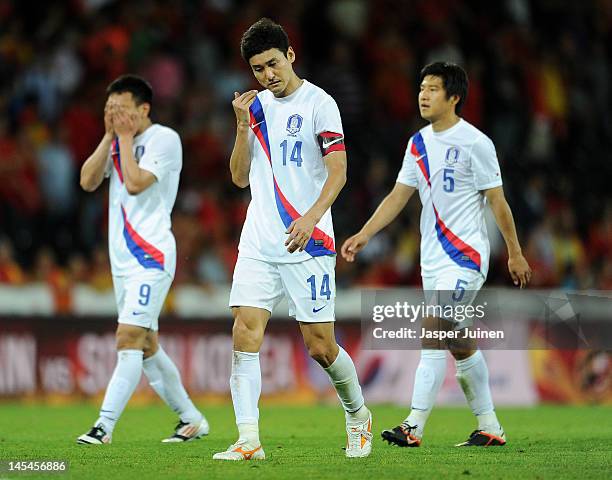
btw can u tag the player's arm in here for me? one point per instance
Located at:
(517, 265)
(386, 212)
(301, 228)
(92, 171)
(240, 161)
(136, 179)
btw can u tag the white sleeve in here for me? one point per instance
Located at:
(328, 127)
(327, 118)
(407, 174)
(485, 166)
(164, 154)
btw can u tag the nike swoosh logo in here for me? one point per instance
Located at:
(315, 310)
(253, 125)
(329, 144)
(138, 313)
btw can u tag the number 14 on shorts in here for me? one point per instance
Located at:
(325, 291)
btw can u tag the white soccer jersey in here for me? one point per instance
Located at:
(139, 226)
(450, 168)
(289, 137)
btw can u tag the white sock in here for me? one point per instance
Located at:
(165, 379)
(343, 376)
(245, 384)
(428, 379)
(120, 388)
(473, 376)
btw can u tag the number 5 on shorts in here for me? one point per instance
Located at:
(459, 290)
(145, 294)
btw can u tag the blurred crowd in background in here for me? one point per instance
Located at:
(539, 87)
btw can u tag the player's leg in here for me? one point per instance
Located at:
(428, 379)
(125, 378)
(139, 300)
(472, 373)
(160, 370)
(460, 288)
(245, 382)
(165, 379)
(473, 377)
(256, 289)
(321, 343)
(124, 374)
(310, 287)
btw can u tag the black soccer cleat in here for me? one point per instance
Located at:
(185, 432)
(480, 438)
(96, 436)
(402, 436)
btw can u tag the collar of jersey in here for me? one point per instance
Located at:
(288, 98)
(448, 130)
(140, 136)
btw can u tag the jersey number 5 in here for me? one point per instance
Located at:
(449, 181)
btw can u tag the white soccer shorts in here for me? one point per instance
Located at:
(452, 286)
(140, 297)
(309, 286)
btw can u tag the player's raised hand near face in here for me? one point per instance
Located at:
(353, 245)
(108, 118)
(519, 270)
(300, 232)
(124, 122)
(241, 104)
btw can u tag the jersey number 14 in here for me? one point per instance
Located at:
(296, 153)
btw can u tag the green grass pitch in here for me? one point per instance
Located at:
(306, 443)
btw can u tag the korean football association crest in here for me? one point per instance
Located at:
(294, 123)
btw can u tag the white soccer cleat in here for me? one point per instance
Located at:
(96, 436)
(359, 438)
(241, 451)
(185, 432)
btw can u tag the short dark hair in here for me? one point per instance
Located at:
(263, 35)
(139, 88)
(453, 77)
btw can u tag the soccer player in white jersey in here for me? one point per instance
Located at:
(455, 169)
(290, 150)
(143, 161)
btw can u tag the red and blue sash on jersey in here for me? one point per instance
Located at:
(459, 251)
(146, 254)
(117, 158)
(319, 243)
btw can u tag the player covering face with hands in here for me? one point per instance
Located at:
(454, 167)
(143, 161)
(289, 150)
